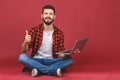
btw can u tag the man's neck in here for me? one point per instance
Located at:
(48, 27)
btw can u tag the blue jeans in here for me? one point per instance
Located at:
(45, 66)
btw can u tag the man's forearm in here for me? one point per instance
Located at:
(24, 47)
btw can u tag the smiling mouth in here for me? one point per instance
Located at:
(48, 18)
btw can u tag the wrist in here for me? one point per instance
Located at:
(24, 42)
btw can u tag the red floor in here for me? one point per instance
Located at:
(81, 72)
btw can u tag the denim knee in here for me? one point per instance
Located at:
(23, 57)
(69, 60)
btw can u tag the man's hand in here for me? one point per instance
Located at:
(76, 51)
(24, 45)
(27, 37)
(61, 55)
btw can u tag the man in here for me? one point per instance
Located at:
(45, 40)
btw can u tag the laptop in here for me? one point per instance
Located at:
(79, 44)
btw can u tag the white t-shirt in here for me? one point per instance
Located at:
(45, 50)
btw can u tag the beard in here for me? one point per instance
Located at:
(49, 21)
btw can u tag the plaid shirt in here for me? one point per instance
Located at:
(37, 35)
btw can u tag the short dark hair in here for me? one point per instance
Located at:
(48, 7)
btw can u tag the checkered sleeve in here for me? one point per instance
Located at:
(61, 41)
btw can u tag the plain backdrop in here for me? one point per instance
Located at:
(97, 19)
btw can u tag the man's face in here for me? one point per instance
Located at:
(48, 16)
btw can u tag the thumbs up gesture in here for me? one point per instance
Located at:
(27, 37)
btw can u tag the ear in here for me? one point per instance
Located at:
(54, 16)
(41, 16)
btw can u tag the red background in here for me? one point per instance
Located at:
(97, 19)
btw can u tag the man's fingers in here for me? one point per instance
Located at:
(61, 55)
(27, 37)
(77, 51)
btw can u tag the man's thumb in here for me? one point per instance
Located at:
(27, 32)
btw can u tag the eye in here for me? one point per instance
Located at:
(45, 13)
(51, 13)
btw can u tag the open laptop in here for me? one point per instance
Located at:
(79, 44)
